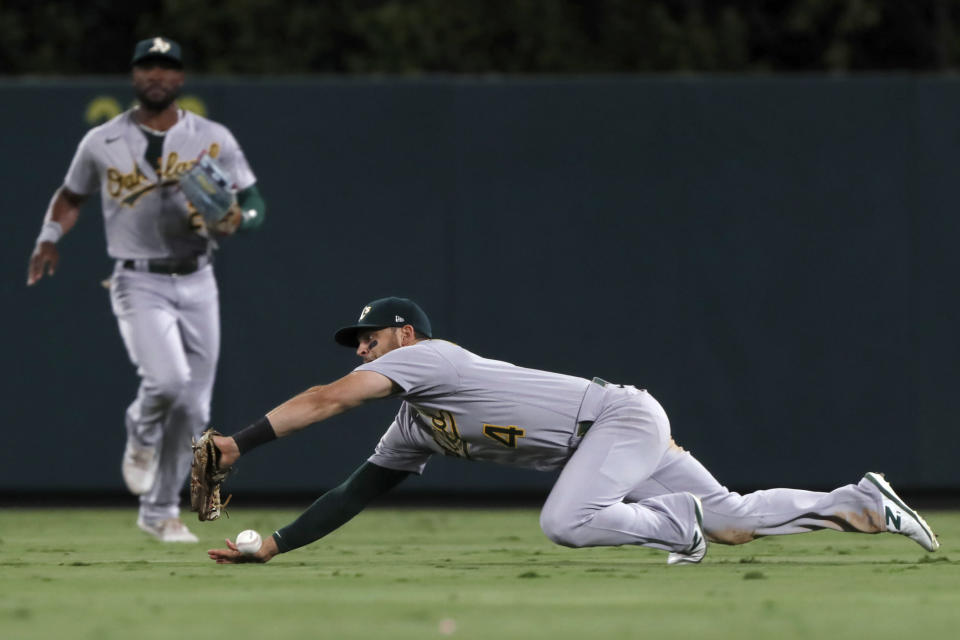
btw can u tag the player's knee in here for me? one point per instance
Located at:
(561, 530)
(168, 388)
(191, 410)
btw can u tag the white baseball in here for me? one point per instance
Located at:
(248, 542)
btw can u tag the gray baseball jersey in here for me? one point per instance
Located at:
(460, 404)
(145, 214)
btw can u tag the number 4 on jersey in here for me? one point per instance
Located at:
(507, 436)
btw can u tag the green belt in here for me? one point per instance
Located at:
(584, 426)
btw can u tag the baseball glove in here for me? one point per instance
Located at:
(212, 195)
(206, 477)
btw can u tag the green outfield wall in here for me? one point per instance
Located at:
(774, 259)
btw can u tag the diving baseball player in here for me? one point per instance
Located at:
(163, 291)
(623, 480)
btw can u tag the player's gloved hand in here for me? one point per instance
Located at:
(232, 555)
(43, 261)
(206, 477)
(209, 192)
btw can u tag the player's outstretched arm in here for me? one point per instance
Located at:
(60, 217)
(320, 403)
(313, 405)
(331, 511)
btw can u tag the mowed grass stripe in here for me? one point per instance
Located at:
(77, 573)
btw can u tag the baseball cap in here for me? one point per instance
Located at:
(385, 312)
(157, 47)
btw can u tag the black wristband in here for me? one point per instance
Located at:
(260, 432)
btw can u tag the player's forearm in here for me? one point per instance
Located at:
(61, 215)
(65, 208)
(336, 507)
(325, 401)
(313, 405)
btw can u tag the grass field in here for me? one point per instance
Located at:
(91, 574)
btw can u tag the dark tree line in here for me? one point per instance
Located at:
(487, 36)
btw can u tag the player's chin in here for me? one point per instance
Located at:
(156, 98)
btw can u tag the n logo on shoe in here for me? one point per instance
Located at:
(892, 519)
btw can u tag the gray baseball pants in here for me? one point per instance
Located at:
(625, 484)
(170, 326)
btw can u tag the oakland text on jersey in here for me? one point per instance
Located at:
(168, 173)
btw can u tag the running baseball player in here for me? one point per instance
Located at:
(623, 480)
(163, 291)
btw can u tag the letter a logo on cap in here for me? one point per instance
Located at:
(364, 313)
(160, 45)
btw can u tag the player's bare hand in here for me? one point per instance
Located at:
(196, 222)
(232, 555)
(43, 261)
(229, 451)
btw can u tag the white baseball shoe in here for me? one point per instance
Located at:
(900, 518)
(139, 468)
(169, 530)
(698, 546)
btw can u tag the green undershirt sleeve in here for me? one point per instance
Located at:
(339, 505)
(250, 199)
